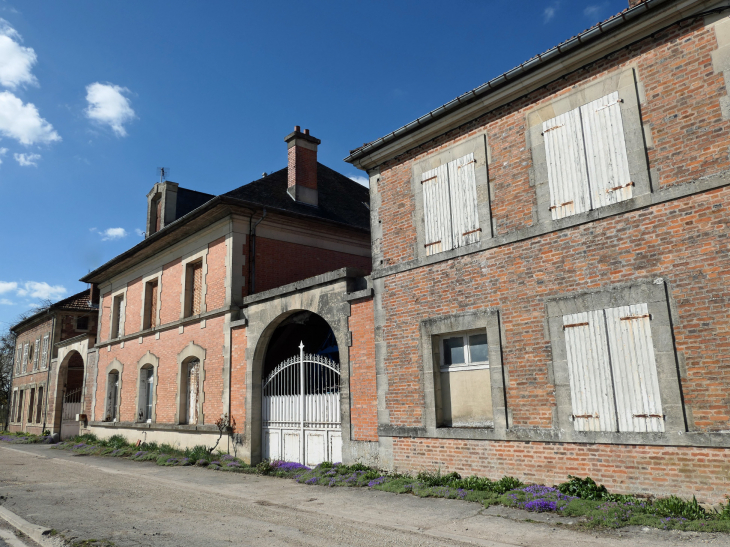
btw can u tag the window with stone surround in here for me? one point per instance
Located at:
(44, 353)
(588, 147)
(150, 304)
(19, 409)
(116, 323)
(193, 288)
(39, 406)
(614, 362)
(451, 189)
(146, 393)
(18, 359)
(112, 397)
(36, 353)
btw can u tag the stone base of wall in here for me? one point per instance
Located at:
(624, 469)
(178, 439)
(34, 429)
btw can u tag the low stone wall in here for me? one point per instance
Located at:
(624, 469)
(181, 439)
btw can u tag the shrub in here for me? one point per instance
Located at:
(679, 508)
(198, 452)
(429, 478)
(585, 489)
(117, 442)
(265, 467)
(505, 484)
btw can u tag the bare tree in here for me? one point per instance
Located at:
(7, 351)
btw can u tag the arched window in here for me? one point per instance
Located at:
(112, 397)
(190, 391)
(146, 393)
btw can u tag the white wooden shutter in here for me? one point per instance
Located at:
(634, 369)
(18, 360)
(464, 213)
(25, 357)
(437, 210)
(44, 357)
(590, 372)
(566, 164)
(608, 165)
(36, 352)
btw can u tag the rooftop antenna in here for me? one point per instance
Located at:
(164, 173)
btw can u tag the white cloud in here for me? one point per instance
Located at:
(26, 160)
(594, 10)
(109, 106)
(3, 151)
(361, 180)
(6, 302)
(42, 290)
(110, 233)
(22, 122)
(7, 286)
(16, 61)
(549, 13)
(139, 232)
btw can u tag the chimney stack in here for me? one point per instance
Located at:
(302, 166)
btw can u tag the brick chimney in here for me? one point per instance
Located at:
(302, 166)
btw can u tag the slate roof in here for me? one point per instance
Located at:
(340, 198)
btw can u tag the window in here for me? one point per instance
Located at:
(464, 385)
(146, 394)
(614, 384)
(450, 205)
(150, 305)
(39, 405)
(587, 162)
(82, 323)
(18, 359)
(193, 288)
(44, 356)
(25, 357)
(117, 330)
(13, 407)
(19, 411)
(36, 353)
(112, 389)
(31, 405)
(190, 388)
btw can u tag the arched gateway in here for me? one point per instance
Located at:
(300, 396)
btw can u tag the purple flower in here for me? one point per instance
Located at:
(233, 464)
(140, 453)
(313, 480)
(376, 482)
(541, 505)
(215, 462)
(80, 445)
(227, 458)
(289, 466)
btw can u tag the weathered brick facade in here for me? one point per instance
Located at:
(678, 239)
(363, 390)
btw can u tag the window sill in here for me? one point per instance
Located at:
(465, 368)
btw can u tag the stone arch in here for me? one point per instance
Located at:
(118, 367)
(148, 360)
(189, 352)
(335, 313)
(74, 361)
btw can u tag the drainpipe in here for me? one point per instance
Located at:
(48, 375)
(252, 252)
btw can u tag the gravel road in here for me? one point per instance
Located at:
(135, 504)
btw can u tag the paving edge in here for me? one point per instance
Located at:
(39, 534)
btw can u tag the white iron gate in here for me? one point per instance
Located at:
(70, 426)
(301, 410)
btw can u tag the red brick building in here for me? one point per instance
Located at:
(194, 320)
(52, 350)
(551, 265)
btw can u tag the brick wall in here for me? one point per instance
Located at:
(659, 470)
(30, 336)
(238, 376)
(171, 343)
(170, 291)
(682, 110)
(105, 306)
(281, 262)
(302, 167)
(215, 279)
(133, 306)
(363, 391)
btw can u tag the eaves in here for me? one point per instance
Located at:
(614, 34)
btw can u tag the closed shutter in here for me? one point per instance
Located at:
(44, 356)
(18, 360)
(437, 210)
(589, 371)
(464, 212)
(197, 289)
(634, 369)
(36, 353)
(566, 165)
(25, 357)
(608, 165)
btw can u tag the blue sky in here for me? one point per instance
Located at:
(94, 96)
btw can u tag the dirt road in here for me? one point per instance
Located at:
(134, 504)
